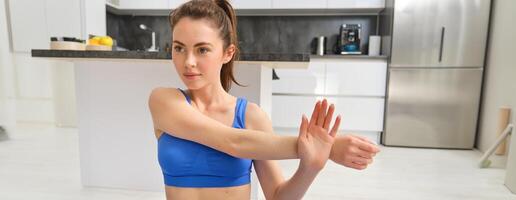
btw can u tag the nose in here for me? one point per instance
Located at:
(190, 60)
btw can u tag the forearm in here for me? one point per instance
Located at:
(296, 186)
(261, 146)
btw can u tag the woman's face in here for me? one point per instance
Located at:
(197, 52)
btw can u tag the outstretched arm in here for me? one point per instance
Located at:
(171, 114)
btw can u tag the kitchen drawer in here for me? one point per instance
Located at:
(301, 81)
(356, 78)
(358, 114)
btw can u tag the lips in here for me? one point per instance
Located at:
(191, 75)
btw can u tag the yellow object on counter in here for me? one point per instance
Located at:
(101, 40)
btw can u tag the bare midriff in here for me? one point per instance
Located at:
(242, 192)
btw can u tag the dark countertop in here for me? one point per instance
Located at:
(268, 57)
(341, 56)
(260, 57)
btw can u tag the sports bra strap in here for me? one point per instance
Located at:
(186, 95)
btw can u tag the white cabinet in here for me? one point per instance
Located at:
(287, 110)
(304, 4)
(301, 81)
(356, 77)
(34, 22)
(350, 4)
(28, 25)
(58, 25)
(250, 4)
(358, 114)
(355, 86)
(173, 4)
(144, 5)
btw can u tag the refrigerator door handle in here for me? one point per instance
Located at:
(442, 43)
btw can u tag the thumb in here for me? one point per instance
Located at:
(303, 129)
(335, 127)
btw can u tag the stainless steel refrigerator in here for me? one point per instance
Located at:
(437, 51)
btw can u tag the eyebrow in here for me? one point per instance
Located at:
(198, 44)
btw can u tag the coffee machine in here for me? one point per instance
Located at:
(350, 36)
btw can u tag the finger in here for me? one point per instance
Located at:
(356, 166)
(365, 139)
(315, 113)
(335, 127)
(361, 161)
(329, 117)
(365, 154)
(366, 146)
(322, 113)
(303, 128)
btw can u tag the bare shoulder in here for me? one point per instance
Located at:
(161, 95)
(256, 118)
(161, 100)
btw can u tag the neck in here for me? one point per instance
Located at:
(210, 96)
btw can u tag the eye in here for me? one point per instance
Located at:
(203, 50)
(178, 49)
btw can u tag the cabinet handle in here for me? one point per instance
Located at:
(274, 75)
(442, 43)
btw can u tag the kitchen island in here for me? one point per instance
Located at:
(117, 146)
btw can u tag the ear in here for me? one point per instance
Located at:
(229, 52)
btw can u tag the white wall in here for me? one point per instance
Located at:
(7, 91)
(500, 77)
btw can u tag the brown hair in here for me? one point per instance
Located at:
(221, 14)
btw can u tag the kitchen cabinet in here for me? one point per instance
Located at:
(173, 4)
(350, 4)
(294, 4)
(58, 25)
(144, 5)
(358, 114)
(301, 81)
(247, 4)
(356, 77)
(28, 25)
(355, 86)
(34, 22)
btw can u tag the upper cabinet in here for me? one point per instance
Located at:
(172, 4)
(145, 5)
(248, 4)
(352, 4)
(28, 17)
(266, 7)
(295, 4)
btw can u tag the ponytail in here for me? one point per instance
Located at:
(222, 15)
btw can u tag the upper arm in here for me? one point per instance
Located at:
(268, 171)
(172, 114)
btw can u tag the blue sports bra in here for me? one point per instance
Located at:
(189, 164)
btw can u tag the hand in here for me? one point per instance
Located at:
(314, 141)
(353, 151)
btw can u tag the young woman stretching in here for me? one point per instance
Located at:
(207, 138)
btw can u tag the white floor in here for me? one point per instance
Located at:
(41, 162)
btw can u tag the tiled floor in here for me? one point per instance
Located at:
(41, 162)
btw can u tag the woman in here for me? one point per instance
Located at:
(206, 137)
